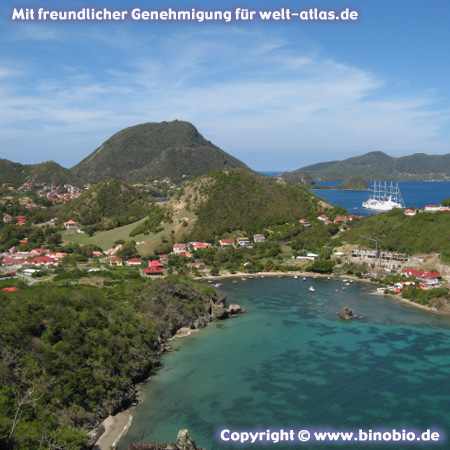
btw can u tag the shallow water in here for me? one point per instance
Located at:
(290, 362)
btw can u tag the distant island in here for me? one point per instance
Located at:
(377, 165)
(352, 184)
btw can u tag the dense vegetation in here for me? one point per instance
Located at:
(155, 150)
(240, 200)
(70, 356)
(380, 166)
(156, 215)
(423, 233)
(106, 205)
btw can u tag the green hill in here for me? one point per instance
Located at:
(47, 172)
(152, 151)
(106, 205)
(423, 233)
(378, 165)
(239, 200)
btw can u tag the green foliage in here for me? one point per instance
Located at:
(240, 200)
(314, 238)
(321, 266)
(423, 233)
(69, 356)
(424, 296)
(107, 205)
(128, 250)
(153, 223)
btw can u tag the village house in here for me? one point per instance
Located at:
(7, 218)
(40, 261)
(410, 212)
(304, 222)
(226, 243)
(178, 249)
(21, 220)
(258, 238)
(71, 225)
(199, 245)
(243, 241)
(426, 278)
(133, 262)
(154, 268)
(115, 261)
(324, 219)
(114, 250)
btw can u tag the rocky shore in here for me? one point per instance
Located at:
(114, 427)
(183, 442)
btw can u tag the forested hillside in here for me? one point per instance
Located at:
(71, 356)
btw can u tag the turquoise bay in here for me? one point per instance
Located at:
(290, 362)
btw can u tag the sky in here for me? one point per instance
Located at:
(276, 95)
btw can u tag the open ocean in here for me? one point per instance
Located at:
(289, 362)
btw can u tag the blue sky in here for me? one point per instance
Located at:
(278, 96)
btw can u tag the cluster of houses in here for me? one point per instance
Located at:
(427, 209)
(38, 257)
(338, 220)
(19, 220)
(53, 193)
(186, 249)
(418, 278)
(60, 194)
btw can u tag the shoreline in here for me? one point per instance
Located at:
(117, 426)
(319, 275)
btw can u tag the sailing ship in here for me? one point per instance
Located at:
(384, 196)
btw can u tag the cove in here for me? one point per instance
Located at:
(290, 362)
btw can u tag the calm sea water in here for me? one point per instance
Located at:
(290, 362)
(416, 194)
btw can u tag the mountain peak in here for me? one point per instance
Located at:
(151, 150)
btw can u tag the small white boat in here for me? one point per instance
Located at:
(312, 289)
(217, 285)
(328, 278)
(347, 284)
(304, 278)
(296, 276)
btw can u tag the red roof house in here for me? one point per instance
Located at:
(9, 289)
(226, 242)
(200, 245)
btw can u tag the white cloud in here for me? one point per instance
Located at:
(259, 97)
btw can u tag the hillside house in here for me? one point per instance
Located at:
(226, 243)
(324, 219)
(409, 212)
(243, 241)
(179, 249)
(72, 225)
(304, 222)
(257, 238)
(7, 218)
(133, 262)
(426, 278)
(21, 220)
(154, 268)
(115, 261)
(42, 261)
(199, 245)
